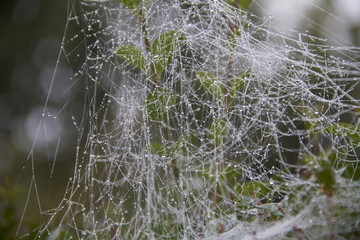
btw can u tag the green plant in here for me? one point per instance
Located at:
(217, 132)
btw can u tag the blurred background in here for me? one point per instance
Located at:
(34, 72)
(31, 33)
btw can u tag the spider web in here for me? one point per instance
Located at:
(200, 121)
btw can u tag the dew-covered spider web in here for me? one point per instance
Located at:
(200, 121)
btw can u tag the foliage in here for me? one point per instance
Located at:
(202, 145)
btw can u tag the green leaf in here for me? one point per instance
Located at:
(211, 84)
(131, 3)
(239, 82)
(157, 148)
(258, 190)
(186, 144)
(345, 130)
(309, 161)
(231, 174)
(242, 4)
(163, 48)
(159, 104)
(326, 178)
(132, 56)
(342, 160)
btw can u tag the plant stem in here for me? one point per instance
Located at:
(175, 168)
(143, 22)
(154, 78)
(329, 218)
